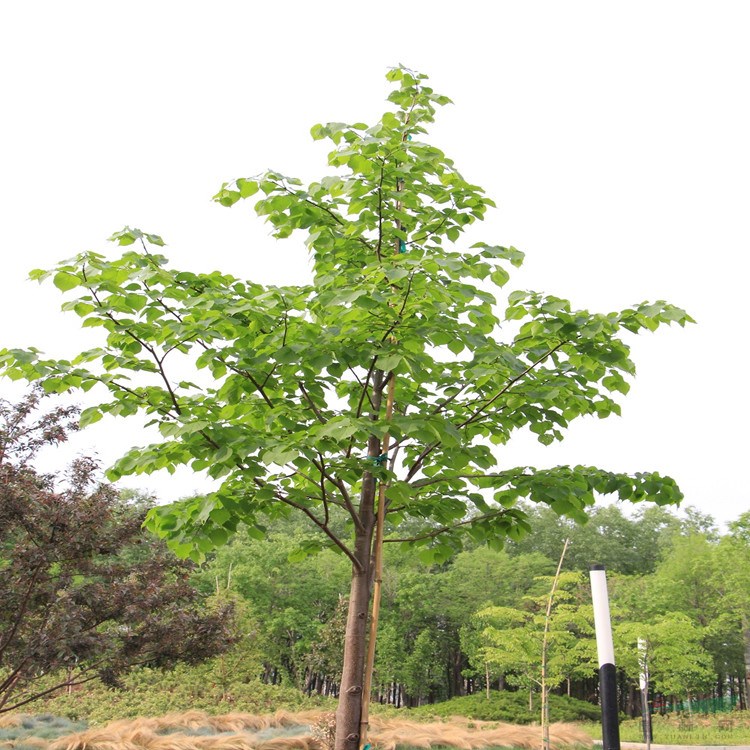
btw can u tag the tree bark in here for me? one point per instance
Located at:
(349, 711)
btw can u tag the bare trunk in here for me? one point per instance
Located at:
(355, 647)
(377, 579)
(349, 712)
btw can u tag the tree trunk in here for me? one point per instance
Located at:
(349, 710)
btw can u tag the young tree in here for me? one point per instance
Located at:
(84, 592)
(734, 559)
(677, 662)
(384, 382)
(545, 641)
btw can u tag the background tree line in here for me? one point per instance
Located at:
(473, 622)
(87, 594)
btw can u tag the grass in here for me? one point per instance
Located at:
(680, 729)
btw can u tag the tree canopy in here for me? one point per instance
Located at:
(86, 594)
(389, 381)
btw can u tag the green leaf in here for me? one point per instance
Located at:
(247, 187)
(154, 239)
(65, 281)
(222, 454)
(126, 236)
(90, 416)
(500, 276)
(280, 455)
(218, 536)
(389, 361)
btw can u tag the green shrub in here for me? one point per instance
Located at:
(510, 707)
(208, 687)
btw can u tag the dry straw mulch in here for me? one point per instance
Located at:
(460, 733)
(11, 720)
(196, 730)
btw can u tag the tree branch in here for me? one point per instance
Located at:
(473, 475)
(477, 412)
(321, 207)
(150, 349)
(379, 246)
(22, 609)
(320, 466)
(309, 400)
(324, 528)
(511, 383)
(443, 529)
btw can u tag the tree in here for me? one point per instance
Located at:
(677, 662)
(698, 580)
(292, 601)
(734, 561)
(626, 545)
(381, 384)
(85, 592)
(543, 641)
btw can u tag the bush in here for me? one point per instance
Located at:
(510, 707)
(155, 692)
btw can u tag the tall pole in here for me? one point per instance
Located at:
(606, 652)
(643, 683)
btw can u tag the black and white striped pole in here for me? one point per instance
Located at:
(606, 652)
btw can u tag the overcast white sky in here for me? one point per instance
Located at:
(615, 138)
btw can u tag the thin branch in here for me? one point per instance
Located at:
(326, 530)
(8, 682)
(473, 475)
(150, 349)
(323, 493)
(309, 400)
(441, 406)
(477, 412)
(379, 246)
(22, 609)
(245, 374)
(321, 207)
(417, 465)
(42, 693)
(175, 346)
(364, 389)
(400, 313)
(320, 466)
(511, 383)
(442, 529)
(356, 377)
(169, 309)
